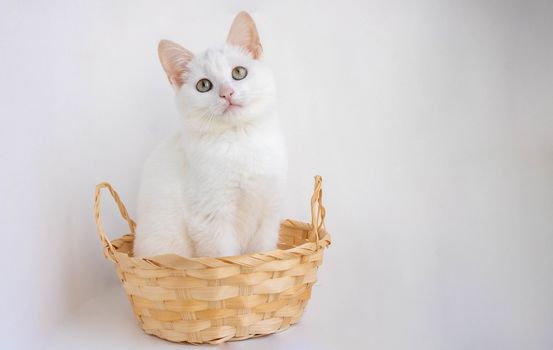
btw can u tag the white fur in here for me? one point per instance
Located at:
(214, 188)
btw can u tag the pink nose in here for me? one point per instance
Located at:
(226, 92)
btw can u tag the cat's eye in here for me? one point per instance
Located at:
(239, 73)
(203, 85)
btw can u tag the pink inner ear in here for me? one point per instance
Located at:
(174, 59)
(243, 33)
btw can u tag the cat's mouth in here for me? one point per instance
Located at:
(231, 106)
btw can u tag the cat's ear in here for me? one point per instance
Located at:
(174, 59)
(243, 33)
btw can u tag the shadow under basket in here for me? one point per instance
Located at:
(213, 300)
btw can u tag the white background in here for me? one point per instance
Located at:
(430, 121)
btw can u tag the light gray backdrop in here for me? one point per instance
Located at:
(430, 121)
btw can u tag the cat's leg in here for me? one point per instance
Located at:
(266, 236)
(161, 233)
(217, 243)
(215, 235)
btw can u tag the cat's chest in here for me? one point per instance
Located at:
(238, 155)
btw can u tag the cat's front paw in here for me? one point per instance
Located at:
(221, 247)
(262, 245)
(229, 251)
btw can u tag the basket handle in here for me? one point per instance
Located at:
(101, 233)
(317, 210)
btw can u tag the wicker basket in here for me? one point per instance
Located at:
(213, 300)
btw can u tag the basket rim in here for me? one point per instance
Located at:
(175, 261)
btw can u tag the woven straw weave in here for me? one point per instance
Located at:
(213, 300)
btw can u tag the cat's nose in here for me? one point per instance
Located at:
(226, 92)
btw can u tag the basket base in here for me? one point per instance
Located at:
(227, 333)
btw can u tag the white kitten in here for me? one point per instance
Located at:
(214, 188)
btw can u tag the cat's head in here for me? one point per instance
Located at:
(225, 86)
